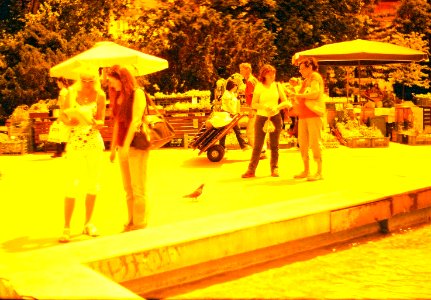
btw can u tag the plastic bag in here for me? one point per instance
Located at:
(58, 132)
(268, 126)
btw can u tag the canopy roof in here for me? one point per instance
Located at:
(361, 52)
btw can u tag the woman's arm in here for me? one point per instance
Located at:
(139, 104)
(285, 103)
(114, 141)
(99, 119)
(67, 104)
(314, 91)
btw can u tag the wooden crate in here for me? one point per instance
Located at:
(358, 142)
(331, 144)
(426, 116)
(186, 123)
(416, 140)
(13, 147)
(38, 115)
(421, 140)
(41, 131)
(379, 142)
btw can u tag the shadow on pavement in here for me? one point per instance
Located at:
(24, 243)
(203, 162)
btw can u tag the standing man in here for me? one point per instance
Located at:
(249, 80)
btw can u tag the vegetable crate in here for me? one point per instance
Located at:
(379, 142)
(414, 140)
(358, 142)
(331, 144)
(13, 147)
(37, 115)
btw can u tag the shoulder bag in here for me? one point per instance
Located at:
(154, 131)
(318, 106)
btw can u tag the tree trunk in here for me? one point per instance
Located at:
(34, 6)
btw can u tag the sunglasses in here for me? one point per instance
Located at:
(87, 80)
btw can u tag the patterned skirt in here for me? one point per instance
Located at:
(84, 139)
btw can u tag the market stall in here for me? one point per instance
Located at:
(412, 124)
(371, 121)
(26, 128)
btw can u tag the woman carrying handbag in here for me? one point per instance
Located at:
(268, 100)
(128, 104)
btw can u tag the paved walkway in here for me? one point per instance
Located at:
(31, 214)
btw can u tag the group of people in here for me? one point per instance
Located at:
(83, 107)
(83, 111)
(267, 100)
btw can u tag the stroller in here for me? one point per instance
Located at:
(208, 136)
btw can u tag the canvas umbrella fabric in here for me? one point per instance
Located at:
(107, 54)
(361, 52)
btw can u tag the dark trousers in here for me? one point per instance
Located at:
(237, 131)
(259, 139)
(60, 148)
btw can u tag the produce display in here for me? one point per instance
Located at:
(329, 140)
(192, 93)
(187, 106)
(41, 106)
(4, 137)
(287, 139)
(351, 129)
(423, 99)
(20, 114)
(194, 100)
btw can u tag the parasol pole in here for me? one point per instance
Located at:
(347, 83)
(359, 81)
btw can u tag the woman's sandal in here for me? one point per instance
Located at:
(127, 227)
(90, 230)
(65, 238)
(131, 227)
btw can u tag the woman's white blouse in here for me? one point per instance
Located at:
(266, 96)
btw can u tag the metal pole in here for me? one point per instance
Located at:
(359, 81)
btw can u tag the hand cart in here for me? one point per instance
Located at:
(207, 138)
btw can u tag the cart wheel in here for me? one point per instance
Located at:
(215, 153)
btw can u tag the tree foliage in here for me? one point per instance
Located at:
(59, 29)
(200, 43)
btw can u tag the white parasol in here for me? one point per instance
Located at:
(107, 54)
(361, 52)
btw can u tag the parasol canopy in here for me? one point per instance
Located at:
(107, 54)
(361, 52)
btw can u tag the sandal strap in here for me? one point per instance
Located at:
(65, 237)
(90, 230)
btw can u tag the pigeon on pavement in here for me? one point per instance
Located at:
(196, 193)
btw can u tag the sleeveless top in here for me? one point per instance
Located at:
(84, 138)
(269, 96)
(303, 111)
